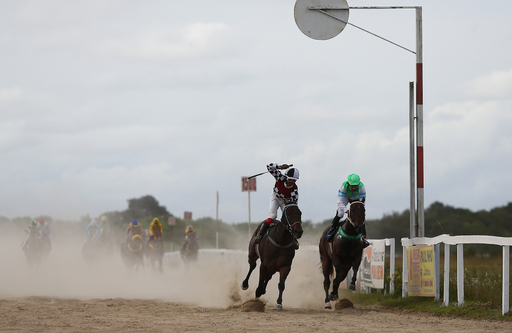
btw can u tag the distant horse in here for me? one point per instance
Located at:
(132, 252)
(190, 248)
(45, 244)
(92, 249)
(32, 249)
(275, 251)
(155, 249)
(344, 253)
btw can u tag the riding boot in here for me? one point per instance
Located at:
(263, 229)
(332, 229)
(363, 238)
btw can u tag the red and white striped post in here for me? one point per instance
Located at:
(419, 123)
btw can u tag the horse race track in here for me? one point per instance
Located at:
(68, 294)
(43, 314)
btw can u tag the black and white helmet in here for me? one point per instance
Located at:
(292, 174)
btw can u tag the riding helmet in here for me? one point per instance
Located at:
(353, 179)
(292, 174)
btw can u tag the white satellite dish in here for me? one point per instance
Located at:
(321, 19)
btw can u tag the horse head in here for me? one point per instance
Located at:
(357, 215)
(135, 243)
(292, 219)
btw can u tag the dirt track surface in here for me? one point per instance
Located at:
(68, 294)
(42, 314)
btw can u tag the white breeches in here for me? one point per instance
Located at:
(275, 203)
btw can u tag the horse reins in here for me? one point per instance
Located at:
(350, 212)
(287, 226)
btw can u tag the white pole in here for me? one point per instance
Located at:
(217, 223)
(419, 123)
(460, 274)
(506, 280)
(446, 283)
(249, 196)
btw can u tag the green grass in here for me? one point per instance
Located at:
(469, 310)
(482, 292)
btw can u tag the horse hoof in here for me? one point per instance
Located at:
(279, 307)
(328, 305)
(244, 287)
(333, 297)
(352, 287)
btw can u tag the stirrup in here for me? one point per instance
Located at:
(365, 243)
(296, 244)
(257, 239)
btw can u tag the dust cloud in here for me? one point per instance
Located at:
(214, 281)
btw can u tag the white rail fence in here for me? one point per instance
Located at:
(459, 241)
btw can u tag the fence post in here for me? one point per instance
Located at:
(391, 264)
(437, 271)
(460, 274)
(405, 278)
(446, 291)
(506, 280)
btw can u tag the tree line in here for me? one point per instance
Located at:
(439, 219)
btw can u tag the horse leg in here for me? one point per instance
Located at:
(327, 270)
(245, 283)
(264, 278)
(283, 274)
(355, 268)
(341, 274)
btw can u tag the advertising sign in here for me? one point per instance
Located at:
(371, 271)
(420, 270)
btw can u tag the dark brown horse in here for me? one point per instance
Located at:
(155, 249)
(132, 252)
(190, 248)
(33, 250)
(345, 251)
(275, 251)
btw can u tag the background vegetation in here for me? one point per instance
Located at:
(439, 219)
(483, 268)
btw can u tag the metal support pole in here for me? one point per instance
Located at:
(419, 121)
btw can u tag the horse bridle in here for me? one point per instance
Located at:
(288, 225)
(350, 212)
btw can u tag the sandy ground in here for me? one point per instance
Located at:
(66, 294)
(43, 314)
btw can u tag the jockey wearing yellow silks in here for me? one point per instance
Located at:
(154, 226)
(190, 233)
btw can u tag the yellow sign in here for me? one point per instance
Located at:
(420, 270)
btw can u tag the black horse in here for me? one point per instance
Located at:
(132, 252)
(189, 249)
(276, 251)
(33, 250)
(344, 253)
(155, 250)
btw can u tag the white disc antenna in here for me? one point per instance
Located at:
(321, 19)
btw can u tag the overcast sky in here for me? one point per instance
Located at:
(103, 101)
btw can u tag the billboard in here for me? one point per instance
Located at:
(371, 271)
(420, 271)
